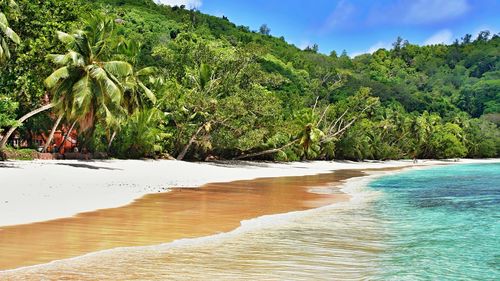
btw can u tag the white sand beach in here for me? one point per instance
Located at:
(32, 191)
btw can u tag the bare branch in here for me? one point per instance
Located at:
(337, 121)
(322, 116)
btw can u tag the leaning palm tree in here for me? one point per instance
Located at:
(88, 87)
(5, 31)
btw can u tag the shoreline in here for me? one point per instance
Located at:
(348, 187)
(35, 191)
(338, 199)
(165, 217)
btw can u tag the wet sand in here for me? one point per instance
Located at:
(36, 191)
(165, 217)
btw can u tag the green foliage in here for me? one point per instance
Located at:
(445, 142)
(36, 23)
(481, 97)
(172, 80)
(19, 154)
(7, 110)
(483, 139)
(86, 86)
(140, 136)
(6, 33)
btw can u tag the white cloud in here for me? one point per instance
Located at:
(191, 4)
(476, 32)
(304, 44)
(429, 11)
(441, 37)
(379, 45)
(355, 54)
(373, 48)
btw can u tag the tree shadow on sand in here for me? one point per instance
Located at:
(5, 165)
(86, 166)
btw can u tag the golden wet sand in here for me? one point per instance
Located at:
(164, 217)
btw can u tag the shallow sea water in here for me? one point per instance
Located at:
(441, 223)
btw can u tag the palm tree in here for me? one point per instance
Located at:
(51, 135)
(204, 81)
(83, 80)
(88, 87)
(6, 31)
(136, 93)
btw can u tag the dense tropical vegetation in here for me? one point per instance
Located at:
(152, 81)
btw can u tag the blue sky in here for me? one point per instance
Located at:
(358, 26)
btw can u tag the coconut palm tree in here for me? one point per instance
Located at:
(136, 91)
(5, 31)
(89, 87)
(85, 85)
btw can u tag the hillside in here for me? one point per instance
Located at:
(224, 91)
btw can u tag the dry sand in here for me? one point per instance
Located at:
(32, 191)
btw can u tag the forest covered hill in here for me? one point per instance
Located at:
(200, 86)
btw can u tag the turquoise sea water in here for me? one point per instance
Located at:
(441, 223)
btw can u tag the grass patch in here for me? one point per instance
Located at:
(18, 154)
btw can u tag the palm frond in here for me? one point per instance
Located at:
(56, 76)
(3, 20)
(9, 33)
(65, 38)
(82, 91)
(151, 96)
(109, 87)
(4, 50)
(71, 58)
(147, 71)
(109, 118)
(119, 68)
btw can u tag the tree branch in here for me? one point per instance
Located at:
(21, 120)
(269, 151)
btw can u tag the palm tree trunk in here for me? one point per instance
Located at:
(111, 140)
(51, 135)
(66, 136)
(21, 120)
(188, 145)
